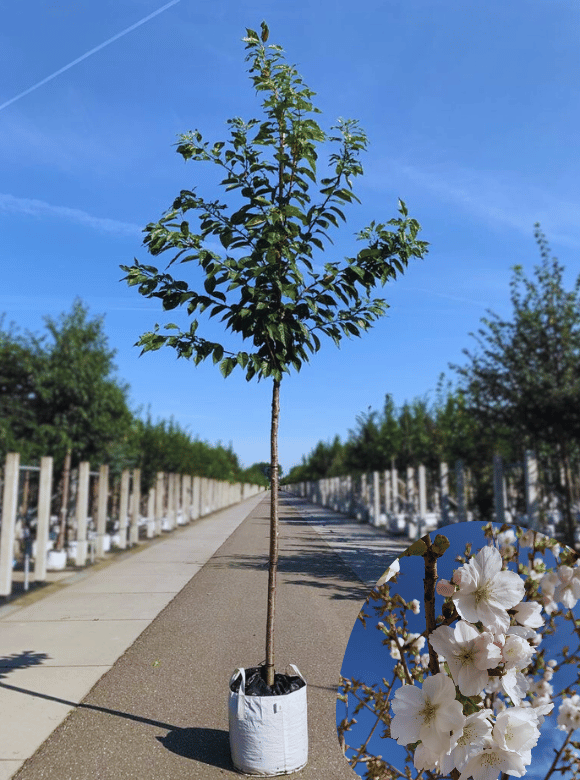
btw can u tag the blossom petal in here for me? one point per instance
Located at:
(494, 618)
(508, 589)
(439, 688)
(489, 561)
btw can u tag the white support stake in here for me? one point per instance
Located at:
(498, 489)
(82, 511)
(102, 506)
(460, 483)
(444, 482)
(43, 524)
(376, 499)
(531, 487)
(159, 502)
(124, 509)
(135, 507)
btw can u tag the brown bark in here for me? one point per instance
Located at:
(273, 561)
(430, 558)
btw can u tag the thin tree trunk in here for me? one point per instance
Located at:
(64, 506)
(273, 564)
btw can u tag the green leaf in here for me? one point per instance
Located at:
(227, 366)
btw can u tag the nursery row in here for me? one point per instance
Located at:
(29, 531)
(430, 499)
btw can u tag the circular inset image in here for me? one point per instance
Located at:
(465, 661)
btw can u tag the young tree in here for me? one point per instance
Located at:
(264, 284)
(526, 380)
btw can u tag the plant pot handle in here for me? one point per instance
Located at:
(239, 673)
(296, 671)
(241, 692)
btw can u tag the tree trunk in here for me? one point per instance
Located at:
(64, 506)
(273, 563)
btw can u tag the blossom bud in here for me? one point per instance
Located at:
(445, 588)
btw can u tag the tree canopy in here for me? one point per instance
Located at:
(265, 285)
(59, 391)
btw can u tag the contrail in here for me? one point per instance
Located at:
(88, 54)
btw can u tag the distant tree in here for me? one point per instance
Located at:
(256, 474)
(20, 365)
(364, 450)
(322, 460)
(79, 404)
(58, 391)
(264, 285)
(526, 378)
(416, 427)
(166, 446)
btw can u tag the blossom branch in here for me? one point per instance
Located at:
(558, 754)
(403, 662)
(430, 558)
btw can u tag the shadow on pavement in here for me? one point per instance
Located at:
(209, 746)
(318, 569)
(22, 660)
(83, 706)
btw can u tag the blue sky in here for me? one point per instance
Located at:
(368, 660)
(472, 115)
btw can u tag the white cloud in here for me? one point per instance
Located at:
(39, 208)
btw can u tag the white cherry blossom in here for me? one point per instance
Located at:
(486, 592)
(569, 713)
(476, 730)
(429, 714)
(516, 728)
(540, 710)
(567, 591)
(469, 654)
(515, 685)
(506, 541)
(517, 652)
(528, 613)
(425, 758)
(527, 538)
(489, 763)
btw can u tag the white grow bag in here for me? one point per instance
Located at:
(268, 734)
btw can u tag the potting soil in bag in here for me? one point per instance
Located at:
(269, 729)
(257, 686)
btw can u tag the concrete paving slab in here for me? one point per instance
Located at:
(132, 582)
(76, 643)
(9, 768)
(84, 606)
(36, 694)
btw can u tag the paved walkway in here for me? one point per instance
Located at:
(122, 673)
